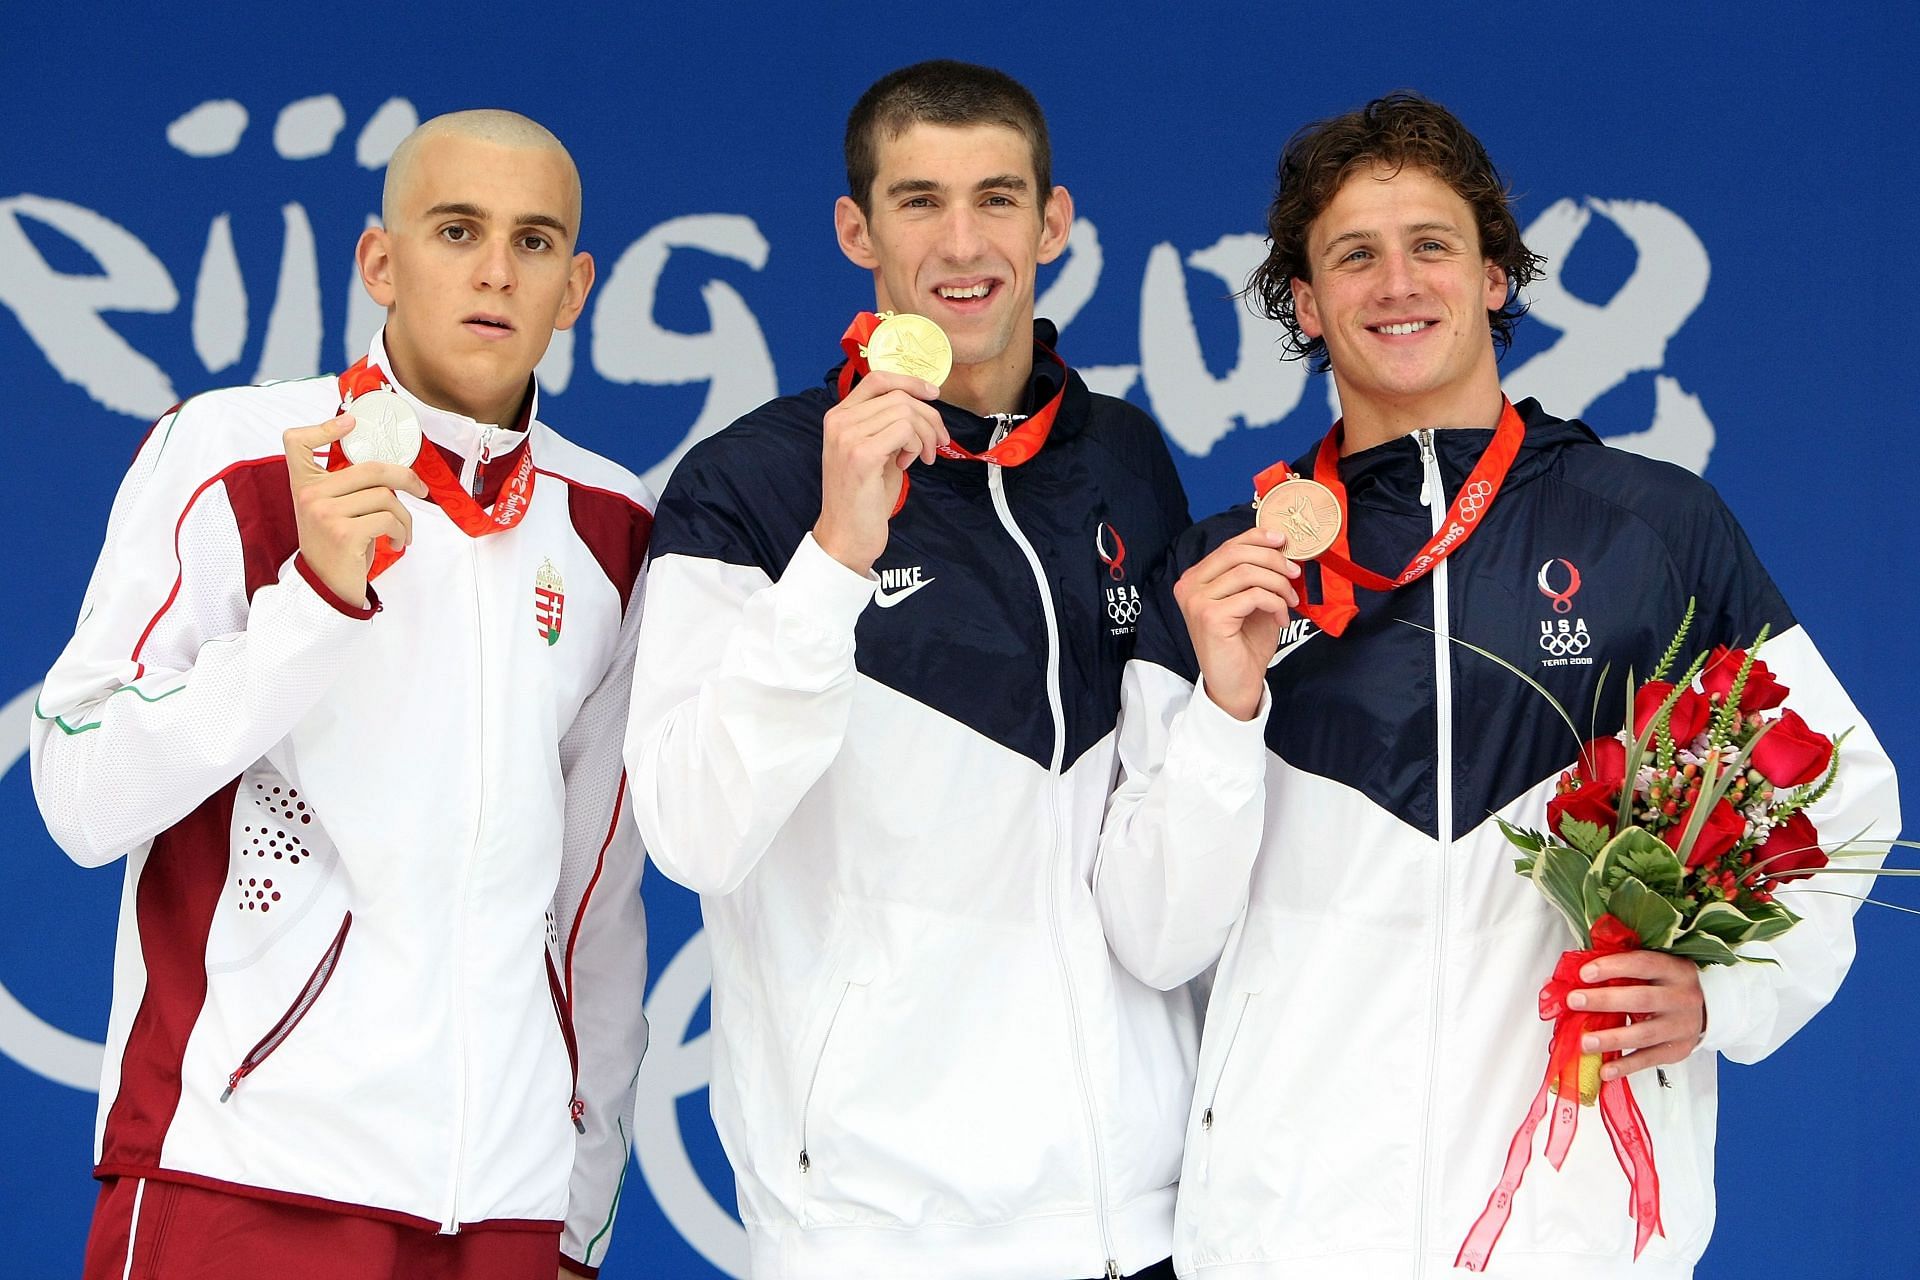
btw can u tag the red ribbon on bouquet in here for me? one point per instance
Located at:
(1632, 1144)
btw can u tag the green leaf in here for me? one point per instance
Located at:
(1560, 873)
(1588, 837)
(1768, 927)
(1726, 922)
(1704, 948)
(1640, 855)
(1521, 837)
(1645, 912)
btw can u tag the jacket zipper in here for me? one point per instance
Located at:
(1213, 1097)
(1433, 493)
(480, 466)
(996, 485)
(309, 993)
(450, 1222)
(563, 1011)
(813, 1077)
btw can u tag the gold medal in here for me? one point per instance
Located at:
(909, 344)
(1305, 510)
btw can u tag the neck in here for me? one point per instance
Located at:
(503, 411)
(1368, 422)
(996, 385)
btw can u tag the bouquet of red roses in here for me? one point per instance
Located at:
(1673, 834)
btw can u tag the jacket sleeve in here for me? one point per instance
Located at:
(175, 681)
(1185, 822)
(743, 686)
(600, 934)
(1753, 1008)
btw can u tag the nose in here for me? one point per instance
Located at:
(495, 267)
(1397, 275)
(960, 239)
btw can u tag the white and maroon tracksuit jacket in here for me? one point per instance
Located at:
(380, 947)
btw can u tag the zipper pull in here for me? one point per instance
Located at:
(1425, 437)
(577, 1111)
(1113, 1269)
(1206, 1118)
(233, 1082)
(805, 1164)
(480, 467)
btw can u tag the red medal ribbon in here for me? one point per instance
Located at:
(1019, 445)
(1339, 575)
(1632, 1143)
(442, 485)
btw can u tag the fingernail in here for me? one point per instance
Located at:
(933, 388)
(1589, 974)
(1609, 1073)
(1589, 1044)
(1578, 1000)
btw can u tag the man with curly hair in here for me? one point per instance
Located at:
(1311, 765)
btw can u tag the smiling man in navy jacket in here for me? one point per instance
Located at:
(878, 744)
(1307, 801)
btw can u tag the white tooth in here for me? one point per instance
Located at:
(1411, 326)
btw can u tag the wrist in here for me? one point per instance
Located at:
(844, 549)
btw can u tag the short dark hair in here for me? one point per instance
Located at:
(1397, 130)
(941, 92)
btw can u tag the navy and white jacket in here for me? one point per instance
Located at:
(888, 791)
(1373, 1035)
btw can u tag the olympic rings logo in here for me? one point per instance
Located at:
(1123, 607)
(1565, 644)
(1474, 499)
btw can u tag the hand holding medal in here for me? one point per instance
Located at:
(341, 514)
(1235, 602)
(883, 422)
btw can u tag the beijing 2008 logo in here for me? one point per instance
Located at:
(1566, 639)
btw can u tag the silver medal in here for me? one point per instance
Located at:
(385, 429)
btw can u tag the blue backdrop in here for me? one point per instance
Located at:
(1727, 211)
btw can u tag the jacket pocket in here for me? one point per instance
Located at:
(812, 1078)
(303, 1001)
(563, 1014)
(1208, 1115)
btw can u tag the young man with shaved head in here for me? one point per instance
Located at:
(1310, 790)
(375, 1006)
(873, 728)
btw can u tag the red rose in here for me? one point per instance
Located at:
(1689, 713)
(1792, 851)
(1790, 754)
(1762, 691)
(1723, 829)
(1604, 760)
(1595, 802)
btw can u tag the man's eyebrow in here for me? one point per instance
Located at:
(461, 209)
(915, 187)
(1002, 182)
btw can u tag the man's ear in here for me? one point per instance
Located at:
(1056, 224)
(374, 255)
(1305, 313)
(850, 227)
(579, 285)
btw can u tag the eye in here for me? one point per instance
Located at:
(917, 202)
(535, 242)
(1355, 255)
(456, 233)
(999, 201)
(1431, 246)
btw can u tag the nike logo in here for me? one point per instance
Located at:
(897, 584)
(1296, 633)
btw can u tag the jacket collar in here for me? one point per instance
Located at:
(455, 432)
(1390, 474)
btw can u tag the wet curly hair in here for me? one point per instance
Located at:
(1394, 131)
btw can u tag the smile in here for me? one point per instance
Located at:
(958, 292)
(1401, 330)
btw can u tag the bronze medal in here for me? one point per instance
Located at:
(912, 345)
(1305, 511)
